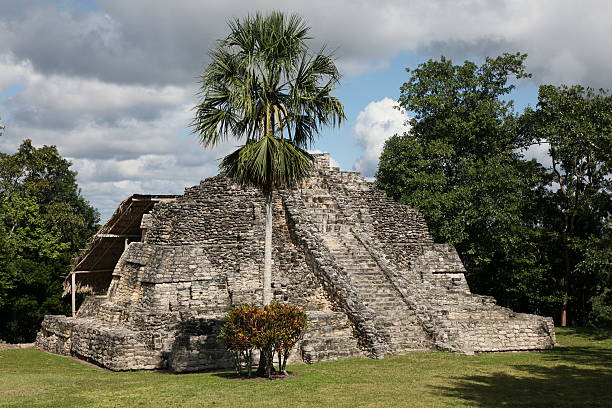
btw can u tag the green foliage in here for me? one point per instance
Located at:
(265, 86)
(275, 328)
(43, 222)
(576, 124)
(270, 162)
(537, 239)
(459, 165)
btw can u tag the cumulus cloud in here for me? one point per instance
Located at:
(378, 121)
(139, 41)
(59, 101)
(539, 152)
(121, 139)
(12, 72)
(112, 85)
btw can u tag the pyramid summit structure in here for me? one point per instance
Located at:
(362, 266)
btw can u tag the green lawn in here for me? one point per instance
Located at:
(579, 374)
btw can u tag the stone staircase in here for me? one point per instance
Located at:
(394, 318)
(412, 313)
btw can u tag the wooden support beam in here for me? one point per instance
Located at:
(118, 236)
(73, 290)
(154, 200)
(94, 271)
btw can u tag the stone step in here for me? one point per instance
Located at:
(323, 206)
(368, 287)
(370, 283)
(364, 268)
(325, 211)
(335, 227)
(353, 259)
(366, 279)
(379, 297)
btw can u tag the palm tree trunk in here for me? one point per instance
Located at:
(267, 276)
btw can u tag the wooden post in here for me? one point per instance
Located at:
(73, 290)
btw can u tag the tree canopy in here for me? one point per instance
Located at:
(265, 86)
(44, 220)
(460, 166)
(461, 163)
(576, 125)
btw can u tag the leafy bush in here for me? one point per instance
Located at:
(275, 328)
(289, 323)
(239, 332)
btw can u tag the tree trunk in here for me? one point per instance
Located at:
(566, 277)
(267, 275)
(566, 287)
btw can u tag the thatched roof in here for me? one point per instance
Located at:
(93, 267)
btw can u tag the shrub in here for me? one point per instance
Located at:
(289, 323)
(275, 328)
(238, 333)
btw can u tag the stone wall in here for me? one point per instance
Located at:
(363, 267)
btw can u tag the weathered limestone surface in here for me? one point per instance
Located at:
(362, 266)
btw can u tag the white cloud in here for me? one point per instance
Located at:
(121, 139)
(12, 72)
(378, 121)
(540, 153)
(139, 41)
(59, 101)
(113, 87)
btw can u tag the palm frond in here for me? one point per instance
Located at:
(265, 86)
(268, 163)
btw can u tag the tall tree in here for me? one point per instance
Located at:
(264, 85)
(576, 124)
(43, 222)
(459, 164)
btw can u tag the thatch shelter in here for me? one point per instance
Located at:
(93, 267)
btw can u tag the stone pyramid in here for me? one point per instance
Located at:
(363, 267)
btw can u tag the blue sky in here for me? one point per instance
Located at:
(112, 82)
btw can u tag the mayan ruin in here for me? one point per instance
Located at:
(363, 267)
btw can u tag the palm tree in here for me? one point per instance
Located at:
(263, 85)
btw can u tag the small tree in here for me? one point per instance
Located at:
(238, 334)
(290, 323)
(273, 328)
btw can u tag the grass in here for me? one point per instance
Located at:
(579, 374)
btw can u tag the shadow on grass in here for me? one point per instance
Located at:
(581, 355)
(572, 376)
(535, 386)
(589, 333)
